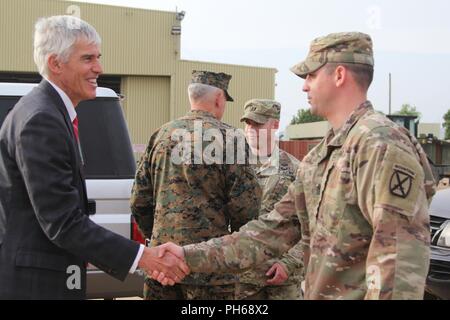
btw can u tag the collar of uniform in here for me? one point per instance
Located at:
(271, 166)
(337, 138)
(201, 113)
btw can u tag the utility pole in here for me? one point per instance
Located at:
(390, 92)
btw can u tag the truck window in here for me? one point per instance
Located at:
(6, 104)
(104, 139)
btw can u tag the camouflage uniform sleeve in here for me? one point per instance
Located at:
(141, 201)
(256, 242)
(301, 250)
(293, 259)
(274, 193)
(391, 195)
(244, 195)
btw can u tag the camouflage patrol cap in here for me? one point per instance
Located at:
(261, 110)
(344, 47)
(218, 80)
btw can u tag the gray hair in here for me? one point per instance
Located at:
(57, 35)
(201, 92)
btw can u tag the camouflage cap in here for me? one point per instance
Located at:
(261, 110)
(218, 80)
(344, 47)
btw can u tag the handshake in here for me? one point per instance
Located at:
(164, 263)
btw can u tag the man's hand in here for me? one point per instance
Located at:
(172, 248)
(279, 274)
(169, 267)
(164, 250)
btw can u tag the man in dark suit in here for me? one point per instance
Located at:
(45, 233)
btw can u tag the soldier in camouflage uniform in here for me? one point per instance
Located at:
(275, 170)
(361, 196)
(192, 201)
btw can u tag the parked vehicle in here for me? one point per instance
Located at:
(109, 171)
(438, 280)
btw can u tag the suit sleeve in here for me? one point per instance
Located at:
(392, 197)
(46, 159)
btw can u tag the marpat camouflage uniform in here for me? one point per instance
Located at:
(361, 197)
(155, 291)
(188, 203)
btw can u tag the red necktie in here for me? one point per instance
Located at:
(75, 127)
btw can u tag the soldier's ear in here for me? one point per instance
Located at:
(217, 98)
(340, 76)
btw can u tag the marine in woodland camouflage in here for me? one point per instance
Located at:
(189, 203)
(219, 80)
(153, 290)
(361, 197)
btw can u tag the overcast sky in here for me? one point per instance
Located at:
(411, 41)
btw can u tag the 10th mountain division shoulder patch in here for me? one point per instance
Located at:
(401, 181)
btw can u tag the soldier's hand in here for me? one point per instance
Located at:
(170, 268)
(278, 273)
(169, 251)
(172, 248)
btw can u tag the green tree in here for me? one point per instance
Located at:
(305, 116)
(408, 110)
(446, 125)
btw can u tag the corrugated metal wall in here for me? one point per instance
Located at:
(446, 154)
(146, 105)
(137, 46)
(430, 150)
(299, 148)
(139, 39)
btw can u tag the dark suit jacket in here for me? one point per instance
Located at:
(44, 228)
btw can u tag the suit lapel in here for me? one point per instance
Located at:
(48, 89)
(58, 102)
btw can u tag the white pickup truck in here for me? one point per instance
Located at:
(110, 169)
